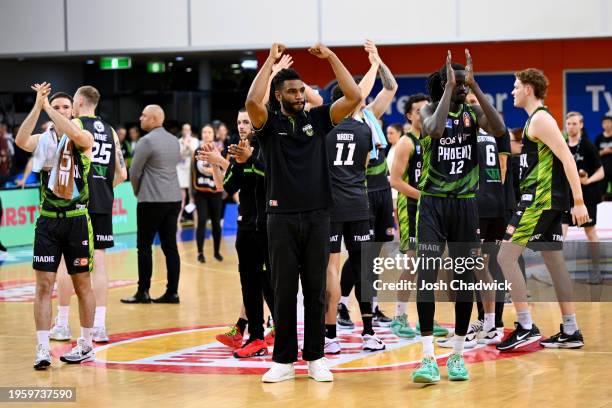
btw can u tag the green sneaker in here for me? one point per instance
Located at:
(456, 368)
(427, 372)
(401, 327)
(438, 330)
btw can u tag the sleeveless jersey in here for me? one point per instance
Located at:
(67, 156)
(543, 184)
(491, 196)
(450, 163)
(377, 172)
(200, 180)
(348, 149)
(102, 171)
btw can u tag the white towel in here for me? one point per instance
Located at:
(44, 154)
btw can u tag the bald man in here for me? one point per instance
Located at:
(155, 183)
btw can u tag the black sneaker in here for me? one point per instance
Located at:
(344, 318)
(201, 258)
(218, 257)
(2, 248)
(519, 338)
(379, 319)
(562, 340)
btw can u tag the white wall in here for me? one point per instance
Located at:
(29, 27)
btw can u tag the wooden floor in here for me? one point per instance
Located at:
(210, 297)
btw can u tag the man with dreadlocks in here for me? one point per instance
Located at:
(447, 209)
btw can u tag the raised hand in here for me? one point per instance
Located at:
(450, 72)
(242, 151)
(277, 50)
(372, 51)
(320, 51)
(42, 94)
(285, 62)
(469, 69)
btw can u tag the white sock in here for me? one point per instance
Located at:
(428, 347)
(400, 308)
(489, 322)
(62, 315)
(43, 337)
(459, 341)
(570, 325)
(374, 303)
(344, 300)
(100, 317)
(87, 335)
(524, 319)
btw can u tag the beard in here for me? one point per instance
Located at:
(292, 108)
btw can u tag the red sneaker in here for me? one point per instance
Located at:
(232, 338)
(253, 349)
(269, 339)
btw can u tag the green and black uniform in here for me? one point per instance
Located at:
(406, 206)
(63, 227)
(101, 179)
(448, 212)
(544, 194)
(380, 199)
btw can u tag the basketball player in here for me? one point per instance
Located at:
(298, 195)
(108, 170)
(447, 209)
(349, 145)
(404, 177)
(243, 174)
(63, 228)
(547, 165)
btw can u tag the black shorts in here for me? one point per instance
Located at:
(102, 225)
(492, 232)
(532, 225)
(592, 209)
(71, 237)
(406, 217)
(382, 225)
(447, 219)
(354, 233)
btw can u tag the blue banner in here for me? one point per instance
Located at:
(498, 88)
(590, 93)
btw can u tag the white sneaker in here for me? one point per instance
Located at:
(318, 370)
(473, 331)
(332, 346)
(81, 353)
(279, 372)
(100, 335)
(493, 336)
(43, 357)
(60, 333)
(372, 343)
(449, 342)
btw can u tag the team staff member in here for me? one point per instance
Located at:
(63, 227)
(298, 196)
(155, 182)
(107, 170)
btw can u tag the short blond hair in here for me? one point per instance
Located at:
(90, 94)
(574, 113)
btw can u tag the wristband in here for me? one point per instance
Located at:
(578, 201)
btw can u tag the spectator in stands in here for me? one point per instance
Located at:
(188, 143)
(7, 153)
(603, 143)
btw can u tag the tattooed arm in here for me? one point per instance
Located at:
(384, 98)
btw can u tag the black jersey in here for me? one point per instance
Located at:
(242, 177)
(587, 159)
(491, 197)
(450, 163)
(413, 173)
(201, 175)
(348, 149)
(102, 172)
(377, 173)
(543, 184)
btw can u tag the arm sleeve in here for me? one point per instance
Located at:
(233, 177)
(503, 143)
